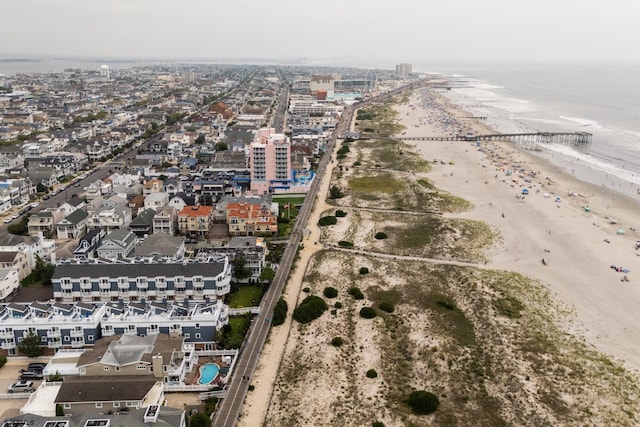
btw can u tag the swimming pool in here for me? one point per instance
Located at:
(208, 373)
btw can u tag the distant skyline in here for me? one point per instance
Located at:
(353, 32)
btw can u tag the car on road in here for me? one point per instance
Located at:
(35, 204)
(34, 366)
(21, 387)
(46, 197)
(8, 219)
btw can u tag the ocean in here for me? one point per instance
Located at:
(599, 98)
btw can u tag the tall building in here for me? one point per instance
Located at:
(403, 70)
(270, 161)
(105, 72)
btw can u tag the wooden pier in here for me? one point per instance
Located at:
(528, 141)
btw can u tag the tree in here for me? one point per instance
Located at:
(423, 402)
(309, 309)
(279, 312)
(267, 274)
(200, 139)
(221, 146)
(30, 345)
(43, 271)
(200, 420)
(41, 188)
(239, 270)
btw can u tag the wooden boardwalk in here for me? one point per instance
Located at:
(525, 140)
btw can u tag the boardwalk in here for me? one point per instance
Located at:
(525, 140)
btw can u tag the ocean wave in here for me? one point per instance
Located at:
(583, 122)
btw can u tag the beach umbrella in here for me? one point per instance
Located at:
(525, 191)
(620, 231)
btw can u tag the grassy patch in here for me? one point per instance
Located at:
(509, 307)
(383, 183)
(245, 296)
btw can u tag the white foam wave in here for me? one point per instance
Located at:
(583, 122)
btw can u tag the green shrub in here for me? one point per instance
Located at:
(338, 304)
(356, 293)
(279, 312)
(371, 373)
(335, 192)
(309, 309)
(377, 424)
(251, 387)
(340, 213)
(210, 405)
(386, 306)
(423, 402)
(380, 235)
(306, 289)
(327, 220)
(334, 312)
(364, 270)
(446, 305)
(345, 244)
(3, 360)
(367, 312)
(330, 292)
(337, 341)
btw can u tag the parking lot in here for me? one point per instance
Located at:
(9, 374)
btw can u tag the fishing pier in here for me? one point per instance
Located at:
(528, 141)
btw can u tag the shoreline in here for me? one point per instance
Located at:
(578, 258)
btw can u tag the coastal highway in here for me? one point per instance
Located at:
(229, 408)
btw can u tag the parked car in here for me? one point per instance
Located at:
(7, 220)
(34, 367)
(30, 375)
(21, 387)
(35, 204)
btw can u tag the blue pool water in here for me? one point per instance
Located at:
(208, 373)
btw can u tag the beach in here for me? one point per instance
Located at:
(565, 233)
(572, 241)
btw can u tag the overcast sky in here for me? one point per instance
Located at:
(367, 31)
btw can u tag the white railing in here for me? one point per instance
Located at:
(185, 388)
(240, 311)
(15, 395)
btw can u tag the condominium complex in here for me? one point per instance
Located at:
(270, 161)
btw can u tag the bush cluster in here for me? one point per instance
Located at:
(423, 402)
(367, 312)
(380, 235)
(337, 341)
(338, 304)
(371, 373)
(345, 244)
(279, 312)
(330, 292)
(340, 213)
(364, 270)
(327, 220)
(386, 306)
(377, 424)
(356, 293)
(309, 309)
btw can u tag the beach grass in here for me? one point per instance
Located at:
(383, 183)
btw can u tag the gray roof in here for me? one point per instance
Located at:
(104, 388)
(120, 235)
(160, 244)
(138, 269)
(144, 218)
(76, 216)
(168, 417)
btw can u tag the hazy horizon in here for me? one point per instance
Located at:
(334, 31)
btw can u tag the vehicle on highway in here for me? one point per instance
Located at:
(30, 375)
(21, 387)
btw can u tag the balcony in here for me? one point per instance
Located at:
(105, 286)
(6, 335)
(108, 332)
(54, 344)
(66, 286)
(77, 333)
(85, 285)
(54, 333)
(79, 343)
(8, 345)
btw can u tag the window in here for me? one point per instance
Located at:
(141, 367)
(117, 368)
(98, 404)
(116, 404)
(89, 337)
(187, 335)
(66, 338)
(197, 325)
(67, 406)
(106, 368)
(197, 336)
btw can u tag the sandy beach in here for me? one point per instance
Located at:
(570, 249)
(572, 241)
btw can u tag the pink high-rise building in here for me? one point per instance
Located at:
(270, 161)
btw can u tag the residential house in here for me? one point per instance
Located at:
(32, 247)
(156, 200)
(117, 244)
(9, 283)
(160, 415)
(251, 217)
(201, 279)
(142, 224)
(180, 200)
(153, 186)
(165, 221)
(195, 220)
(73, 204)
(44, 221)
(15, 260)
(73, 225)
(88, 244)
(162, 245)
